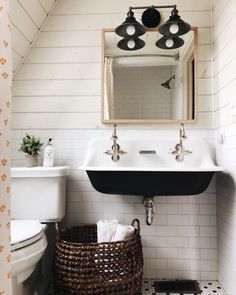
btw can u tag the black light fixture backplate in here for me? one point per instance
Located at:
(151, 17)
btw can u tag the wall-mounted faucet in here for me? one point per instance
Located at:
(179, 151)
(115, 151)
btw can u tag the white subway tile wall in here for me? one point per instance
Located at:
(139, 92)
(224, 21)
(57, 94)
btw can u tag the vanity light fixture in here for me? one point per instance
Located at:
(131, 29)
(175, 26)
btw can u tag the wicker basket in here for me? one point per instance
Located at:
(84, 267)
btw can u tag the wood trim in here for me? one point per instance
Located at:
(196, 102)
(152, 121)
(102, 75)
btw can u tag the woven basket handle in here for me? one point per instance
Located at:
(136, 224)
(58, 230)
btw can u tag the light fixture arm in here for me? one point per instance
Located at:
(173, 77)
(153, 6)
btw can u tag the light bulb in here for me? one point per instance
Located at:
(174, 29)
(169, 43)
(131, 44)
(130, 30)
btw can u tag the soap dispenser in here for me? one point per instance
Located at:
(49, 151)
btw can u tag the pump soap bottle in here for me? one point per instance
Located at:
(49, 151)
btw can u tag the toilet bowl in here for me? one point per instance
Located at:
(28, 244)
(38, 195)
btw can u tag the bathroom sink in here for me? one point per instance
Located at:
(153, 172)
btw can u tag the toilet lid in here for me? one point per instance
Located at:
(25, 232)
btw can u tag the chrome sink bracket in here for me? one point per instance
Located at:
(115, 151)
(180, 151)
(149, 203)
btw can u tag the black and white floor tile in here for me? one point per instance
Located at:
(207, 288)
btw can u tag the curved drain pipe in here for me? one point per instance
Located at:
(149, 203)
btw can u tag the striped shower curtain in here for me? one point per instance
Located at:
(108, 89)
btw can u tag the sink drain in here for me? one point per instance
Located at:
(178, 287)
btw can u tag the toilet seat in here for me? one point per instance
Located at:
(25, 232)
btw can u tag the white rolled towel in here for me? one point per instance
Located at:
(106, 230)
(123, 232)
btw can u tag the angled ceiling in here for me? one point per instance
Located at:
(27, 17)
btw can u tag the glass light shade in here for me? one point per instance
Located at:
(175, 25)
(130, 27)
(130, 30)
(174, 29)
(131, 43)
(169, 42)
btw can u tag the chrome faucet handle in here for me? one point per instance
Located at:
(178, 148)
(187, 152)
(180, 155)
(115, 155)
(181, 151)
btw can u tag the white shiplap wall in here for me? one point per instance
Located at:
(57, 94)
(27, 18)
(69, 49)
(224, 17)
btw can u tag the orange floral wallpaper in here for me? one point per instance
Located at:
(5, 128)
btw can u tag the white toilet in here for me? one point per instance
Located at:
(38, 195)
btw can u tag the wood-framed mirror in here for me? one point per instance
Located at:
(150, 85)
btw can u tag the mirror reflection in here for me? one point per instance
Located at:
(151, 83)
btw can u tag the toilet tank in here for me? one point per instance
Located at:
(38, 193)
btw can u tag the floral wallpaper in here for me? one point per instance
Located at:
(5, 121)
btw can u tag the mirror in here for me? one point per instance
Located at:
(150, 85)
